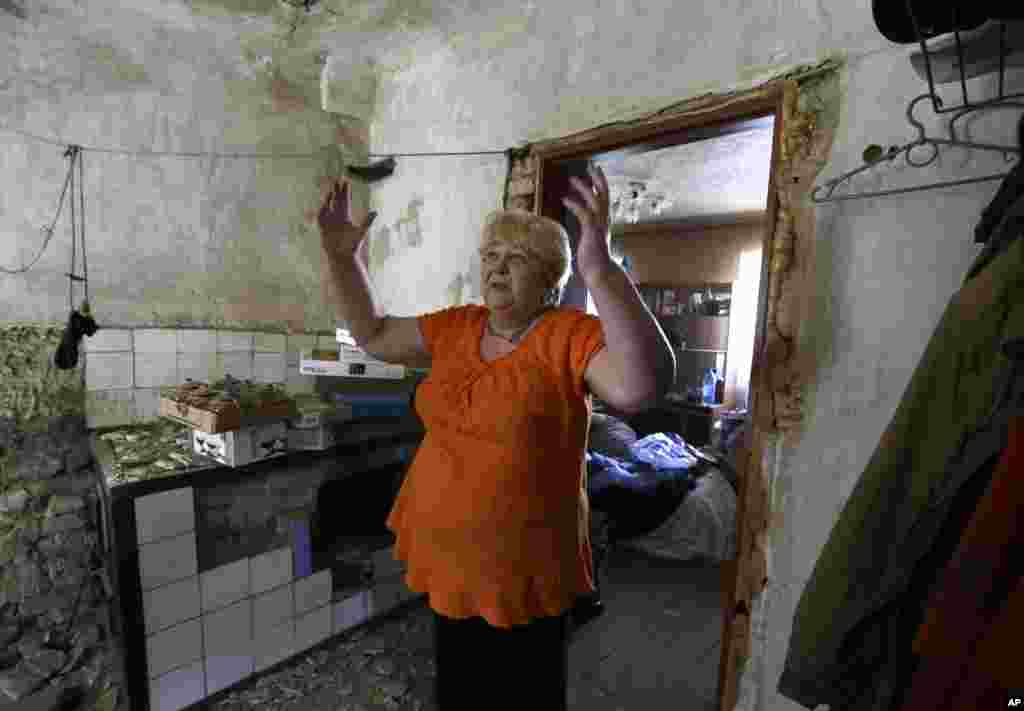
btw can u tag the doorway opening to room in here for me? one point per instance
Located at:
(693, 204)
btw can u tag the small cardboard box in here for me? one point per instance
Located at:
(243, 446)
(204, 420)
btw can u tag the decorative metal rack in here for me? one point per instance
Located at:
(1002, 100)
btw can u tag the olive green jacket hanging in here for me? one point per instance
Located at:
(867, 561)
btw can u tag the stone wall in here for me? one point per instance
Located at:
(55, 595)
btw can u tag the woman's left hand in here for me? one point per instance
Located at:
(593, 255)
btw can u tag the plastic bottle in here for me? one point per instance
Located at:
(708, 390)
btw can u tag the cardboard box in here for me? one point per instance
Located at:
(243, 446)
(204, 420)
(228, 420)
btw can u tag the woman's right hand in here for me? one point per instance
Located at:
(340, 236)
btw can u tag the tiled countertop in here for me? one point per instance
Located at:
(144, 459)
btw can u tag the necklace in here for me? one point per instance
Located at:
(517, 334)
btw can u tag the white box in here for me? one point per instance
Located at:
(243, 446)
(353, 367)
(343, 336)
(317, 438)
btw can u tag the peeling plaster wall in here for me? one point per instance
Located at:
(171, 240)
(886, 266)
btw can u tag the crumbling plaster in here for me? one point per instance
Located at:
(233, 241)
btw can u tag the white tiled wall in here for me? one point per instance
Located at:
(124, 368)
(208, 631)
(164, 515)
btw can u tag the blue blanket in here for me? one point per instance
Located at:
(641, 493)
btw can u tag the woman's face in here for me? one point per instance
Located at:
(511, 279)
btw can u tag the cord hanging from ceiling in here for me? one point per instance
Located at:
(80, 323)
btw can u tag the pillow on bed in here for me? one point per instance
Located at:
(611, 436)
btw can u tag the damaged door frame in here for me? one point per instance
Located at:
(713, 116)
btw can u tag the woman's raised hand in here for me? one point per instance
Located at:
(340, 236)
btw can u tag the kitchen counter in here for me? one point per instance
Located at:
(163, 529)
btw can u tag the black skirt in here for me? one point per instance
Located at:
(480, 666)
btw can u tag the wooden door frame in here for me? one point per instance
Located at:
(718, 116)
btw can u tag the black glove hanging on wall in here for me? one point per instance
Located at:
(67, 351)
(373, 172)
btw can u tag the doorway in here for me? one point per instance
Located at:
(558, 161)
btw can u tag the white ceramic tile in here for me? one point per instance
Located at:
(171, 604)
(272, 608)
(271, 569)
(197, 341)
(156, 340)
(166, 561)
(238, 364)
(312, 591)
(147, 403)
(313, 628)
(229, 630)
(108, 371)
(108, 339)
(169, 513)
(269, 343)
(154, 370)
(296, 344)
(268, 368)
(225, 585)
(196, 365)
(223, 671)
(179, 688)
(234, 341)
(350, 612)
(273, 645)
(173, 647)
(109, 408)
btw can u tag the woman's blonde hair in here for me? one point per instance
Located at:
(541, 237)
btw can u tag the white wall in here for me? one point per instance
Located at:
(887, 266)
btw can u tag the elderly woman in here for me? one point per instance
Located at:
(492, 519)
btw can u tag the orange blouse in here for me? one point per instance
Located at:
(492, 518)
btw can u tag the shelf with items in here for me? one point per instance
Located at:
(675, 300)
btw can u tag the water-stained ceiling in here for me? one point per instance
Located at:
(713, 177)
